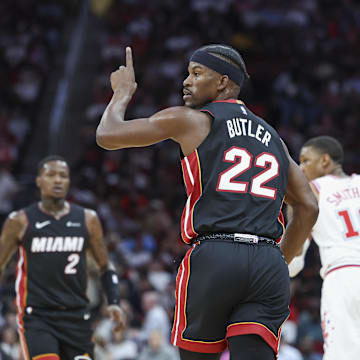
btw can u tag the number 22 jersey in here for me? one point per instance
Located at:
(236, 179)
(51, 268)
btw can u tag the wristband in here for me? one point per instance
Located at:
(110, 285)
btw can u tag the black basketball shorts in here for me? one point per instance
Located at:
(226, 288)
(55, 335)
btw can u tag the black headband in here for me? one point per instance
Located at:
(220, 66)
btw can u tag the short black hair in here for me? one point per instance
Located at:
(327, 145)
(48, 159)
(229, 54)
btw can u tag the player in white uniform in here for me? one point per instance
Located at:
(337, 233)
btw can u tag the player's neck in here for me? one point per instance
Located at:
(227, 94)
(339, 172)
(54, 207)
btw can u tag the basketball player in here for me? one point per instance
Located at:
(52, 238)
(233, 284)
(337, 233)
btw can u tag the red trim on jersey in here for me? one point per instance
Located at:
(21, 283)
(316, 185)
(281, 220)
(47, 357)
(244, 328)
(27, 229)
(192, 178)
(23, 344)
(21, 295)
(341, 267)
(208, 111)
(203, 346)
(232, 101)
(180, 323)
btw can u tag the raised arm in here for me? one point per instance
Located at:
(181, 124)
(11, 235)
(108, 277)
(305, 211)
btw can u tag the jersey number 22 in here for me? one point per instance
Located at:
(243, 161)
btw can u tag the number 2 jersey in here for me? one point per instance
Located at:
(51, 268)
(236, 179)
(337, 229)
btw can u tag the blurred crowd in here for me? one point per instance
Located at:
(304, 80)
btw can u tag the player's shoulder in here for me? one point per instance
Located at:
(91, 213)
(355, 177)
(177, 117)
(88, 213)
(176, 112)
(318, 183)
(91, 216)
(329, 181)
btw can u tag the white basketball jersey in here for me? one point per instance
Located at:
(337, 230)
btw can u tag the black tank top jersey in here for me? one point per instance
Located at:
(51, 270)
(236, 179)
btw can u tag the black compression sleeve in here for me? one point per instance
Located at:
(110, 285)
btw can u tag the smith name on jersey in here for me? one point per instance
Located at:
(51, 269)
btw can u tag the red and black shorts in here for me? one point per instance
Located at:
(55, 335)
(224, 289)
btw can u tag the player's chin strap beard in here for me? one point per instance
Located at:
(219, 65)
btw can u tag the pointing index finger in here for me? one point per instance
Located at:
(129, 59)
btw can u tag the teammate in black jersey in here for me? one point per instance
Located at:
(52, 238)
(233, 284)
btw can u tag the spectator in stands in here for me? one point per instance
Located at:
(155, 318)
(158, 348)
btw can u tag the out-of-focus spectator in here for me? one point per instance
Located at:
(4, 356)
(287, 351)
(9, 343)
(309, 324)
(156, 318)
(306, 346)
(158, 348)
(122, 348)
(8, 189)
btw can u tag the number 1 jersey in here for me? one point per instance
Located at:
(236, 179)
(337, 229)
(51, 268)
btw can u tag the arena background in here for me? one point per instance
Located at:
(55, 62)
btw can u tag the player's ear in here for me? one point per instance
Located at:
(38, 181)
(326, 160)
(223, 82)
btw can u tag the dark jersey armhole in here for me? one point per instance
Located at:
(208, 112)
(26, 233)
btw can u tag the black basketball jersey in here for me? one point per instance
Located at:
(51, 269)
(236, 179)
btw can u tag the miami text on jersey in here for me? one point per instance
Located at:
(57, 244)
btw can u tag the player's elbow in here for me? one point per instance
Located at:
(307, 210)
(105, 140)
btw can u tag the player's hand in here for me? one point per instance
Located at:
(123, 80)
(118, 316)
